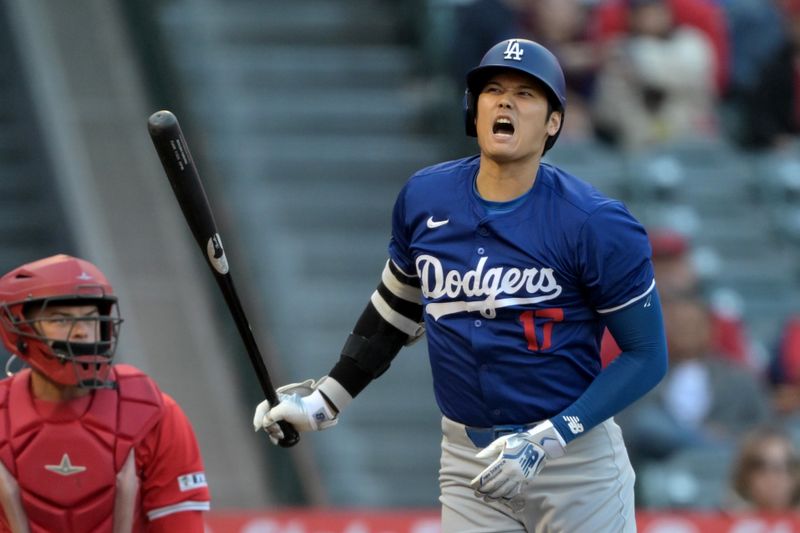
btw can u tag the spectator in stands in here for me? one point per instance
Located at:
(656, 82)
(784, 375)
(610, 20)
(563, 27)
(753, 39)
(703, 402)
(675, 272)
(766, 472)
(768, 110)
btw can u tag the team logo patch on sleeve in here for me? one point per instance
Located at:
(191, 481)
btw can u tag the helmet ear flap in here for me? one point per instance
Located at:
(10, 334)
(469, 113)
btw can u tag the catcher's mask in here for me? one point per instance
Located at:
(59, 315)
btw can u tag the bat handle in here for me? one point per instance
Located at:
(290, 434)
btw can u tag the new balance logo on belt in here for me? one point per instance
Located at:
(574, 424)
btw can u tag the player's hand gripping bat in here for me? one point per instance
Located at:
(180, 169)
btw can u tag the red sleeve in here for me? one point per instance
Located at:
(187, 521)
(171, 469)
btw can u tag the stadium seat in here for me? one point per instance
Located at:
(591, 161)
(786, 223)
(778, 178)
(705, 174)
(693, 478)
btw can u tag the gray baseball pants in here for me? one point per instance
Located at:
(588, 490)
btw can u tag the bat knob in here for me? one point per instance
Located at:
(290, 435)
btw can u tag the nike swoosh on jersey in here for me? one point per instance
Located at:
(437, 223)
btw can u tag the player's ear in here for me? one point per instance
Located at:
(554, 123)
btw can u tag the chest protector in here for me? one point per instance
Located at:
(67, 464)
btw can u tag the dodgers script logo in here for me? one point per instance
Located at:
(539, 284)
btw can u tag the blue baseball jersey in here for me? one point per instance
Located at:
(514, 300)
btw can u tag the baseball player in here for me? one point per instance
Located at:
(86, 446)
(513, 268)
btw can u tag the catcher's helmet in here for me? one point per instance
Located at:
(524, 56)
(60, 280)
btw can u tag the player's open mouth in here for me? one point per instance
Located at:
(503, 126)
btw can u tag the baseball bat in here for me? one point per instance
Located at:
(166, 134)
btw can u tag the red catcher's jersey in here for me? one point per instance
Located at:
(127, 455)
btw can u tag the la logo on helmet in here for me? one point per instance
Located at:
(513, 51)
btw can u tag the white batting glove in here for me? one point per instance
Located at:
(520, 456)
(303, 406)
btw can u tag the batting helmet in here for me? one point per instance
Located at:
(60, 280)
(524, 56)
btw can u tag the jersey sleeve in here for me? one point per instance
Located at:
(186, 521)
(399, 244)
(639, 330)
(614, 257)
(168, 459)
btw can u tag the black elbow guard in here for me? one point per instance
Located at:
(373, 355)
(366, 358)
(390, 321)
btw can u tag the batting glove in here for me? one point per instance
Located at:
(520, 456)
(303, 405)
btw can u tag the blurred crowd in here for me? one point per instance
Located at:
(641, 72)
(720, 403)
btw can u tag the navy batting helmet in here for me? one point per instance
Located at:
(524, 56)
